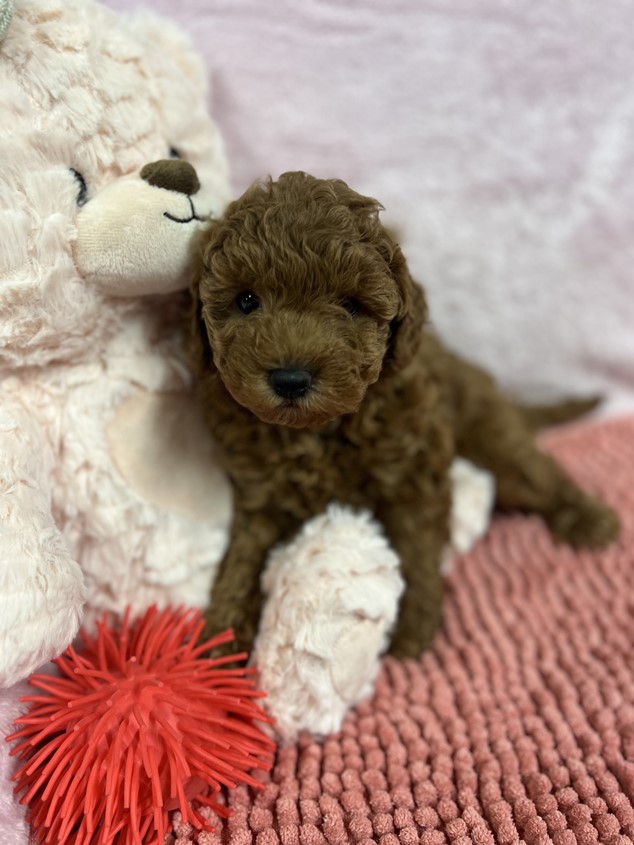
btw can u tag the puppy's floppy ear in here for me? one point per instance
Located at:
(200, 353)
(407, 327)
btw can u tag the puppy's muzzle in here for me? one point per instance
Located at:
(291, 382)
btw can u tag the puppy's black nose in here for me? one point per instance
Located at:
(290, 382)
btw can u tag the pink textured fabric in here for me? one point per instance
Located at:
(518, 727)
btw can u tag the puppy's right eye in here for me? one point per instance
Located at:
(247, 302)
(352, 306)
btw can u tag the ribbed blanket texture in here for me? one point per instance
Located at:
(518, 727)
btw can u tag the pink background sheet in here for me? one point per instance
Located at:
(499, 135)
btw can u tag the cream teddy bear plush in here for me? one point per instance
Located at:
(109, 491)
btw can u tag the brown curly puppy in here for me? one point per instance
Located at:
(321, 382)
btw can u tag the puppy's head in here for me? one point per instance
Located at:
(302, 300)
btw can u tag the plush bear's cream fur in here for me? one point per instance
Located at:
(102, 499)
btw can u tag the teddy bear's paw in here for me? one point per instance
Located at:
(331, 668)
(333, 596)
(39, 616)
(354, 664)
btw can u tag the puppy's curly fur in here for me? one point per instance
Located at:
(301, 278)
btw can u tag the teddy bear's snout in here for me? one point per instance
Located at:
(172, 175)
(140, 250)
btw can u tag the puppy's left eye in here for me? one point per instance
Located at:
(247, 302)
(173, 153)
(352, 306)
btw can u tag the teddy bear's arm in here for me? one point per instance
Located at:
(41, 587)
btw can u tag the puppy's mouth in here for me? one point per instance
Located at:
(293, 413)
(305, 412)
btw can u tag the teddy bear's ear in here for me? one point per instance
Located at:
(407, 328)
(6, 13)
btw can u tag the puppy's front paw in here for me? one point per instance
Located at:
(243, 627)
(402, 648)
(587, 523)
(411, 643)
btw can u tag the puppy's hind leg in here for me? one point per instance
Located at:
(529, 480)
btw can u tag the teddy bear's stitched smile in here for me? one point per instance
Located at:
(189, 219)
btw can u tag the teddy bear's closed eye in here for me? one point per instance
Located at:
(82, 196)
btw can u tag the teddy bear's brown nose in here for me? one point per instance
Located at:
(172, 175)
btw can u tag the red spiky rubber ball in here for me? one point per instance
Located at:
(140, 723)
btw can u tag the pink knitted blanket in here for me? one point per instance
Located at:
(517, 728)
